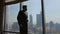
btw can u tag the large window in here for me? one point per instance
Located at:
(34, 13)
(11, 24)
(52, 16)
(34, 17)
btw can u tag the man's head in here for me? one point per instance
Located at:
(24, 7)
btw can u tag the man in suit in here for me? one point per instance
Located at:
(22, 20)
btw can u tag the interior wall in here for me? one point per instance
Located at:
(1, 14)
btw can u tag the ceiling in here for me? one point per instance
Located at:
(8, 2)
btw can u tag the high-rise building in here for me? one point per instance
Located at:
(39, 20)
(51, 24)
(15, 27)
(39, 23)
(30, 24)
(57, 26)
(30, 21)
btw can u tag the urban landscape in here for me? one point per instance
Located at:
(50, 28)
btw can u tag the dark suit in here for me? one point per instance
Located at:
(22, 21)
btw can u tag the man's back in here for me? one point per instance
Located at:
(22, 17)
(22, 20)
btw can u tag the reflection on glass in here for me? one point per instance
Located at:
(52, 16)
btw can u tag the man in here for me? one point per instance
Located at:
(22, 20)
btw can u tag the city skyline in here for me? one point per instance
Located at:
(51, 7)
(36, 28)
(51, 12)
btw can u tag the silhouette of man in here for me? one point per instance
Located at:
(22, 20)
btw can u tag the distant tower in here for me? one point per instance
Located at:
(39, 23)
(39, 20)
(51, 23)
(52, 28)
(30, 21)
(15, 27)
(30, 24)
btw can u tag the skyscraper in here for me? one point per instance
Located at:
(15, 27)
(39, 23)
(39, 20)
(30, 21)
(30, 24)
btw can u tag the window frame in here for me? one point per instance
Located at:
(42, 6)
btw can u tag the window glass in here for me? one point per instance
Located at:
(34, 17)
(11, 23)
(52, 16)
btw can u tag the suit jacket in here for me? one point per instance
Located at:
(22, 18)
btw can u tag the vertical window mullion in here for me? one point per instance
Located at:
(43, 22)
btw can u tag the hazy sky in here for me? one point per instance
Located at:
(52, 10)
